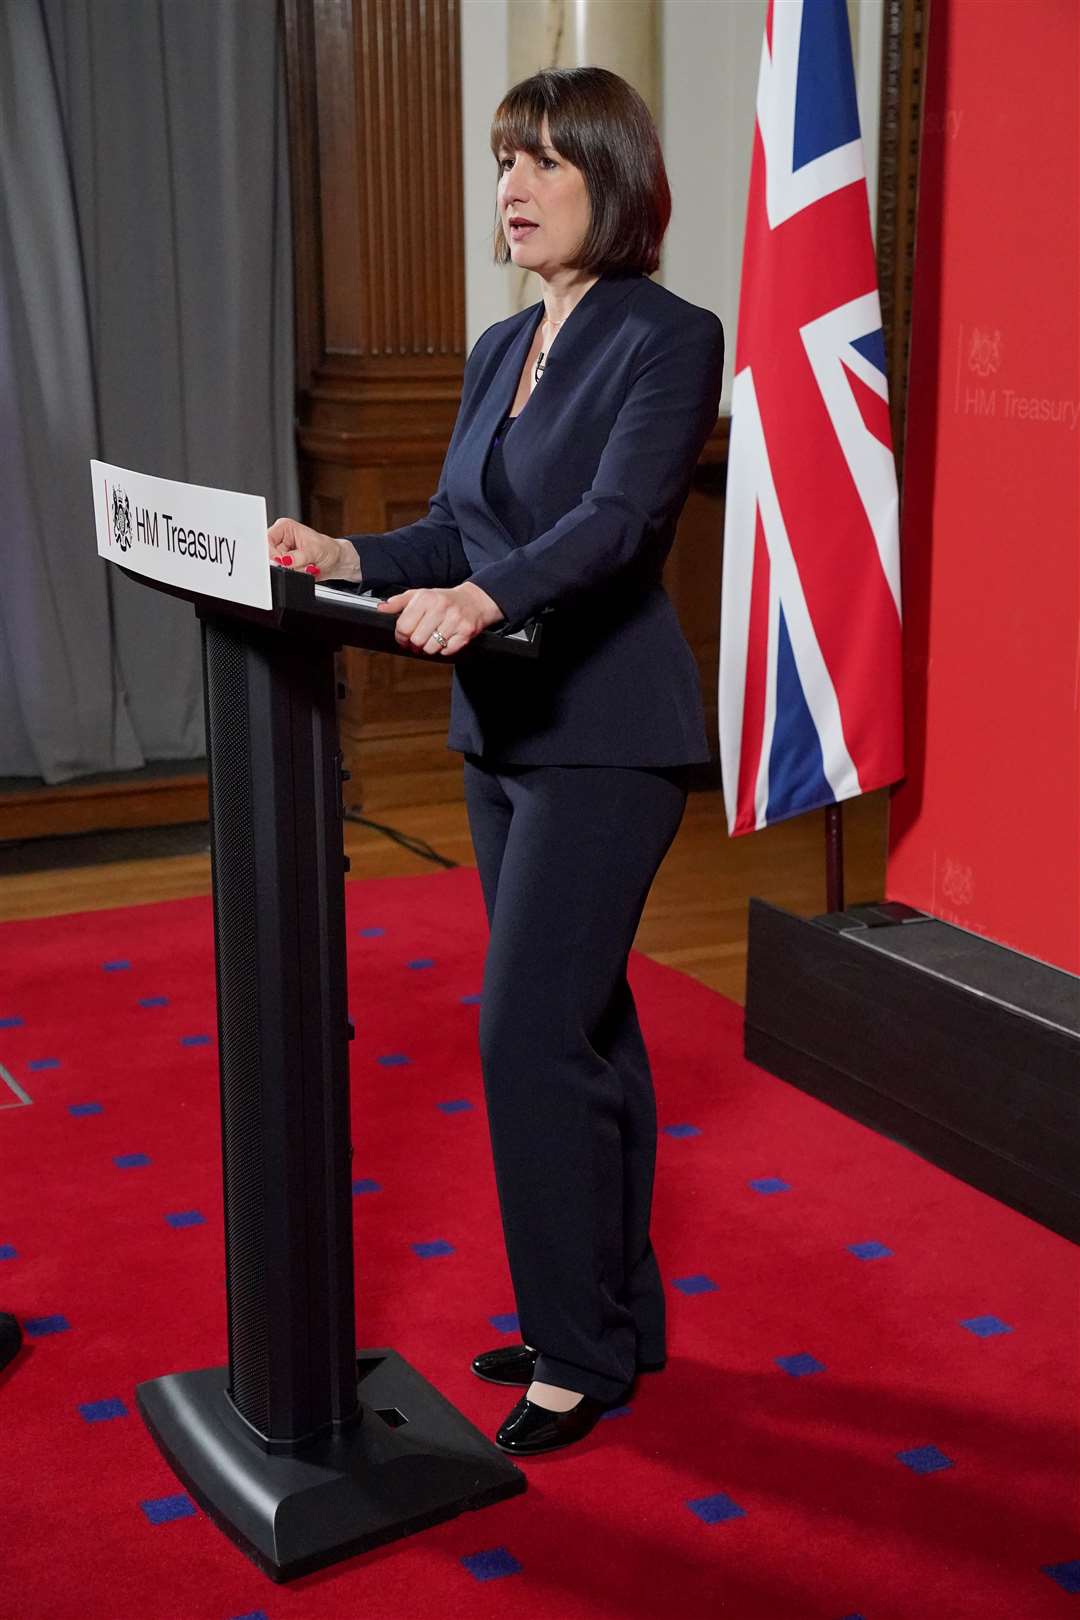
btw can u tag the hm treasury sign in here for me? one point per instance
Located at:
(208, 540)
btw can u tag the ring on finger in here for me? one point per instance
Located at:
(437, 635)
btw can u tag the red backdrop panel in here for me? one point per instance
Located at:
(985, 828)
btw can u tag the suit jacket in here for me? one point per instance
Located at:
(613, 432)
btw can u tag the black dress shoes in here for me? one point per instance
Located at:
(529, 1429)
(514, 1364)
(510, 1364)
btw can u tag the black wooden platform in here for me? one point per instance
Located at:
(964, 1051)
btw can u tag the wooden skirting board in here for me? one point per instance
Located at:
(103, 806)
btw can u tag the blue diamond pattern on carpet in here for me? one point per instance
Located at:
(164, 1509)
(914, 1293)
(798, 1366)
(490, 1564)
(43, 1063)
(8, 1251)
(715, 1509)
(186, 1217)
(36, 1327)
(985, 1327)
(924, 1459)
(83, 1110)
(371, 933)
(153, 1001)
(1067, 1575)
(102, 1411)
(131, 1161)
(11, 1023)
(194, 1040)
(456, 1105)
(252, 1614)
(119, 966)
(392, 1060)
(695, 1285)
(770, 1184)
(421, 962)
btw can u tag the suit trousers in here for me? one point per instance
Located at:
(566, 856)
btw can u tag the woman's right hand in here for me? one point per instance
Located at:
(294, 545)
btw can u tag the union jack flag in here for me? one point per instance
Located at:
(810, 694)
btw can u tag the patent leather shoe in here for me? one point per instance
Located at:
(509, 1364)
(514, 1364)
(529, 1429)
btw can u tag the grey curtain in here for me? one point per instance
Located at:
(145, 318)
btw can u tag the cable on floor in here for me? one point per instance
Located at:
(417, 846)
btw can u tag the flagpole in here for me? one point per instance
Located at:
(834, 858)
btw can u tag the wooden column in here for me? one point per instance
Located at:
(375, 142)
(621, 35)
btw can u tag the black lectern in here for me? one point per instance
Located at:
(302, 1450)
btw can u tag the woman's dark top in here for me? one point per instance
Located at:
(501, 488)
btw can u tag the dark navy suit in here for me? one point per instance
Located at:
(603, 454)
(574, 780)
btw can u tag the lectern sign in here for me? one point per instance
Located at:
(208, 540)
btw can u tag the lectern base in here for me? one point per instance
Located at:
(412, 1461)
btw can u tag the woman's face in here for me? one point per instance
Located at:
(549, 193)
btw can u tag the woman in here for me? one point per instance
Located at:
(581, 421)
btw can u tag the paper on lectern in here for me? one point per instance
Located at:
(208, 540)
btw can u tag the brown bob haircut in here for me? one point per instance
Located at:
(601, 125)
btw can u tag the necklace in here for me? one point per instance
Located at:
(538, 369)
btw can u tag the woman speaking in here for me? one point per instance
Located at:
(581, 421)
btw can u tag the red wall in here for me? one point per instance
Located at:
(985, 828)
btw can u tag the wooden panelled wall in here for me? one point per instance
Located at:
(375, 88)
(375, 138)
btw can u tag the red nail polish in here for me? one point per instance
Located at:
(311, 569)
(286, 562)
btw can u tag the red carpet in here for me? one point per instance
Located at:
(871, 1404)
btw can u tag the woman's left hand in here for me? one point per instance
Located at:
(457, 615)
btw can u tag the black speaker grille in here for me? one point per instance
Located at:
(235, 875)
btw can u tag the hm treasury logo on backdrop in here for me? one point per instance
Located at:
(984, 353)
(211, 542)
(982, 349)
